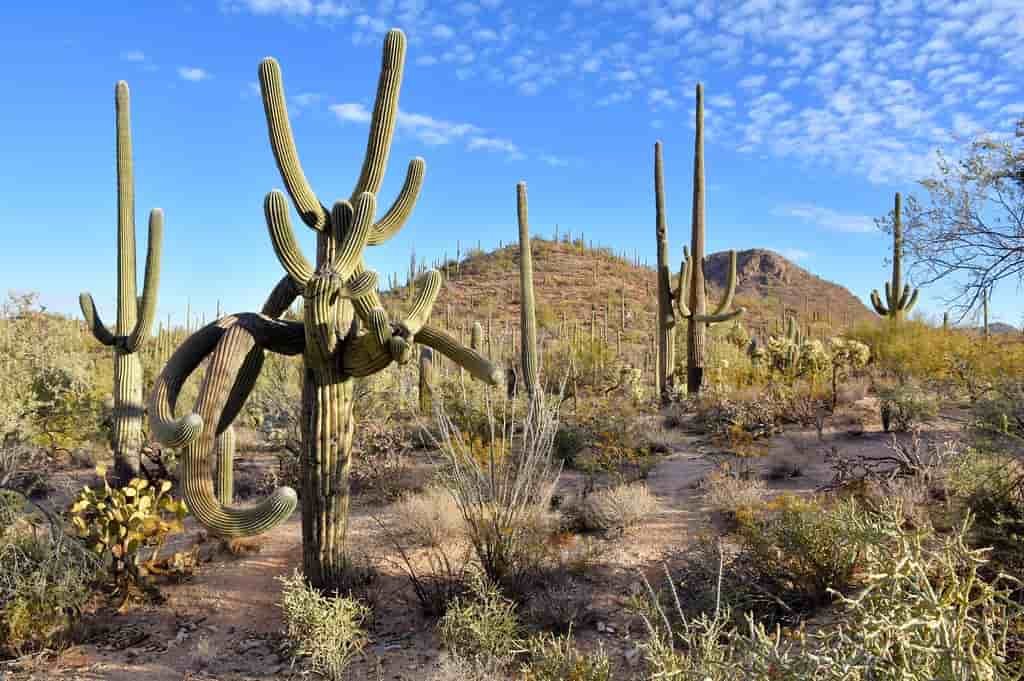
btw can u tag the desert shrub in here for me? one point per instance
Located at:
(380, 448)
(616, 508)
(845, 356)
(729, 492)
(504, 496)
(904, 406)
(570, 440)
(1000, 411)
(795, 550)
(724, 415)
(429, 518)
(923, 613)
(482, 625)
(120, 524)
(991, 484)
(45, 582)
(558, 604)
(324, 631)
(555, 658)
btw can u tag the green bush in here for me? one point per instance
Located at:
(904, 406)
(326, 632)
(555, 658)
(482, 625)
(45, 582)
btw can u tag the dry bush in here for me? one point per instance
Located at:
(555, 658)
(613, 509)
(728, 492)
(853, 390)
(559, 604)
(482, 625)
(429, 518)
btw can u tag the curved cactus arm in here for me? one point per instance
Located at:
(892, 298)
(281, 297)
(197, 460)
(366, 355)
(361, 285)
(717, 318)
(876, 301)
(422, 306)
(282, 142)
(385, 113)
(147, 304)
(168, 430)
(730, 291)
(350, 248)
(683, 287)
(282, 236)
(910, 303)
(92, 318)
(401, 209)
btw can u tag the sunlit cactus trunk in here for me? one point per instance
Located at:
(134, 315)
(426, 386)
(666, 318)
(527, 309)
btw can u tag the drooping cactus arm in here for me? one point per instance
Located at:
(282, 142)
(92, 318)
(385, 113)
(876, 301)
(282, 236)
(366, 356)
(910, 303)
(717, 318)
(730, 290)
(147, 305)
(401, 209)
(223, 371)
(905, 298)
(281, 297)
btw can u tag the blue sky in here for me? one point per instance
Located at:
(816, 112)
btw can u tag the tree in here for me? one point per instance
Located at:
(972, 228)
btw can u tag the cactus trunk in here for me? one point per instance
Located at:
(696, 329)
(666, 319)
(426, 381)
(527, 309)
(899, 297)
(224, 454)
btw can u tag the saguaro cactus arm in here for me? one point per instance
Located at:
(151, 282)
(92, 318)
(722, 312)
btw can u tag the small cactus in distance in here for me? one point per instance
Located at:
(898, 303)
(134, 315)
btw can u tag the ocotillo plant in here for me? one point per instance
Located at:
(134, 315)
(336, 290)
(898, 303)
(691, 298)
(527, 309)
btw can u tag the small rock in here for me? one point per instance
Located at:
(633, 656)
(251, 644)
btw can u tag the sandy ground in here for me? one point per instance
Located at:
(224, 623)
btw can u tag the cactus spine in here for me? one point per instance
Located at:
(337, 291)
(690, 296)
(898, 304)
(527, 309)
(134, 315)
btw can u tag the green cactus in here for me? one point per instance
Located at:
(476, 338)
(527, 308)
(690, 296)
(898, 304)
(984, 312)
(344, 334)
(666, 317)
(134, 315)
(945, 321)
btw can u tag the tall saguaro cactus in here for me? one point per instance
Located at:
(527, 308)
(666, 317)
(690, 297)
(134, 315)
(345, 334)
(898, 303)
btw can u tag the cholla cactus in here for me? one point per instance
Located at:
(134, 315)
(336, 348)
(899, 303)
(812, 359)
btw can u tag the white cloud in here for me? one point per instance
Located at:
(442, 32)
(553, 161)
(495, 144)
(133, 55)
(826, 217)
(752, 82)
(193, 73)
(351, 111)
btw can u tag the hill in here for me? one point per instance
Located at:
(576, 286)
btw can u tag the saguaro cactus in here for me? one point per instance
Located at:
(337, 291)
(527, 309)
(426, 380)
(134, 315)
(898, 304)
(691, 298)
(984, 312)
(666, 317)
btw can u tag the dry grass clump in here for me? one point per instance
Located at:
(728, 492)
(429, 518)
(612, 509)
